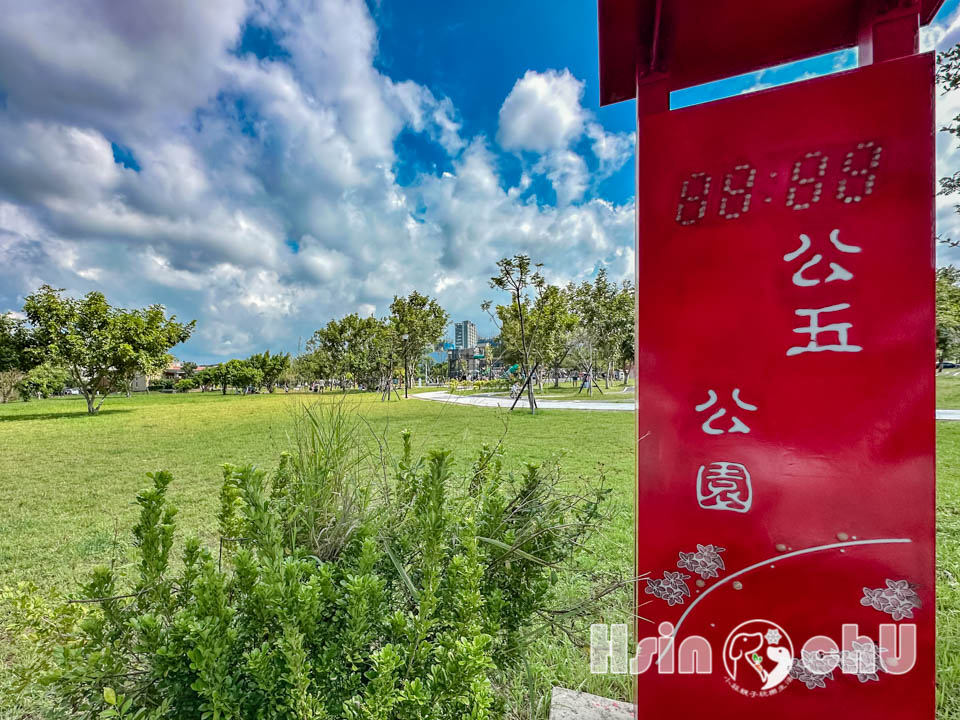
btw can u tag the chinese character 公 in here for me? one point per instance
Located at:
(837, 272)
(736, 424)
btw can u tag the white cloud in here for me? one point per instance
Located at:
(542, 112)
(266, 201)
(567, 172)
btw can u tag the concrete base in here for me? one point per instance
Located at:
(572, 705)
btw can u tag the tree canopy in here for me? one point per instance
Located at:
(948, 313)
(16, 358)
(100, 346)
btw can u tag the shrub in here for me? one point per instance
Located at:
(329, 596)
(185, 385)
(160, 384)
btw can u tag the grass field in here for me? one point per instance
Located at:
(68, 482)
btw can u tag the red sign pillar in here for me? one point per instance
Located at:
(785, 452)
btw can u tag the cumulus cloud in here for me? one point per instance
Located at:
(543, 115)
(145, 154)
(542, 112)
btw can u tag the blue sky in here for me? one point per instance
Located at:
(262, 166)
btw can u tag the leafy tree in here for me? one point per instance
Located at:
(418, 322)
(16, 358)
(205, 379)
(948, 313)
(311, 366)
(247, 376)
(189, 369)
(225, 374)
(551, 314)
(346, 347)
(101, 346)
(43, 381)
(519, 277)
(270, 366)
(605, 315)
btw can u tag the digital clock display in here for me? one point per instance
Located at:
(846, 177)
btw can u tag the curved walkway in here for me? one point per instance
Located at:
(494, 402)
(483, 401)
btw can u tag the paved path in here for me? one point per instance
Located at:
(480, 401)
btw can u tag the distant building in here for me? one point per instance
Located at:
(465, 334)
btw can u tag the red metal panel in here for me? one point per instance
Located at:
(704, 40)
(762, 219)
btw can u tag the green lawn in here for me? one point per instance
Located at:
(68, 481)
(948, 389)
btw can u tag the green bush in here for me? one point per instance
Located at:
(185, 385)
(161, 384)
(330, 595)
(42, 382)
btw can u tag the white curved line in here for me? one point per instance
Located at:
(742, 403)
(804, 246)
(712, 398)
(842, 247)
(775, 558)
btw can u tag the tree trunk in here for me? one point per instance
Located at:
(91, 409)
(530, 398)
(224, 389)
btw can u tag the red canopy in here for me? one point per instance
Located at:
(697, 41)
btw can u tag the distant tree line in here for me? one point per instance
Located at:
(587, 327)
(59, 341)
(371, 352)
(261, 370)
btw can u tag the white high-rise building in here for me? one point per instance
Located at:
(465, 334)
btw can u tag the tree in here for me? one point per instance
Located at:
(270, 366)
(189, 369)
(99, 345)
(948, 313)
(185, 385)
(246, 376)
(551, 314)
(43, 381)
(205, 379)
(225, 374)
(346, 348)
(16, 358)
(418, 322)
(310, 366)
(516, 278)
(605, 314)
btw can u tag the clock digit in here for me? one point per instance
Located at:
(866, 158)
(738, 199)
(694, 191)
(816, 172)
